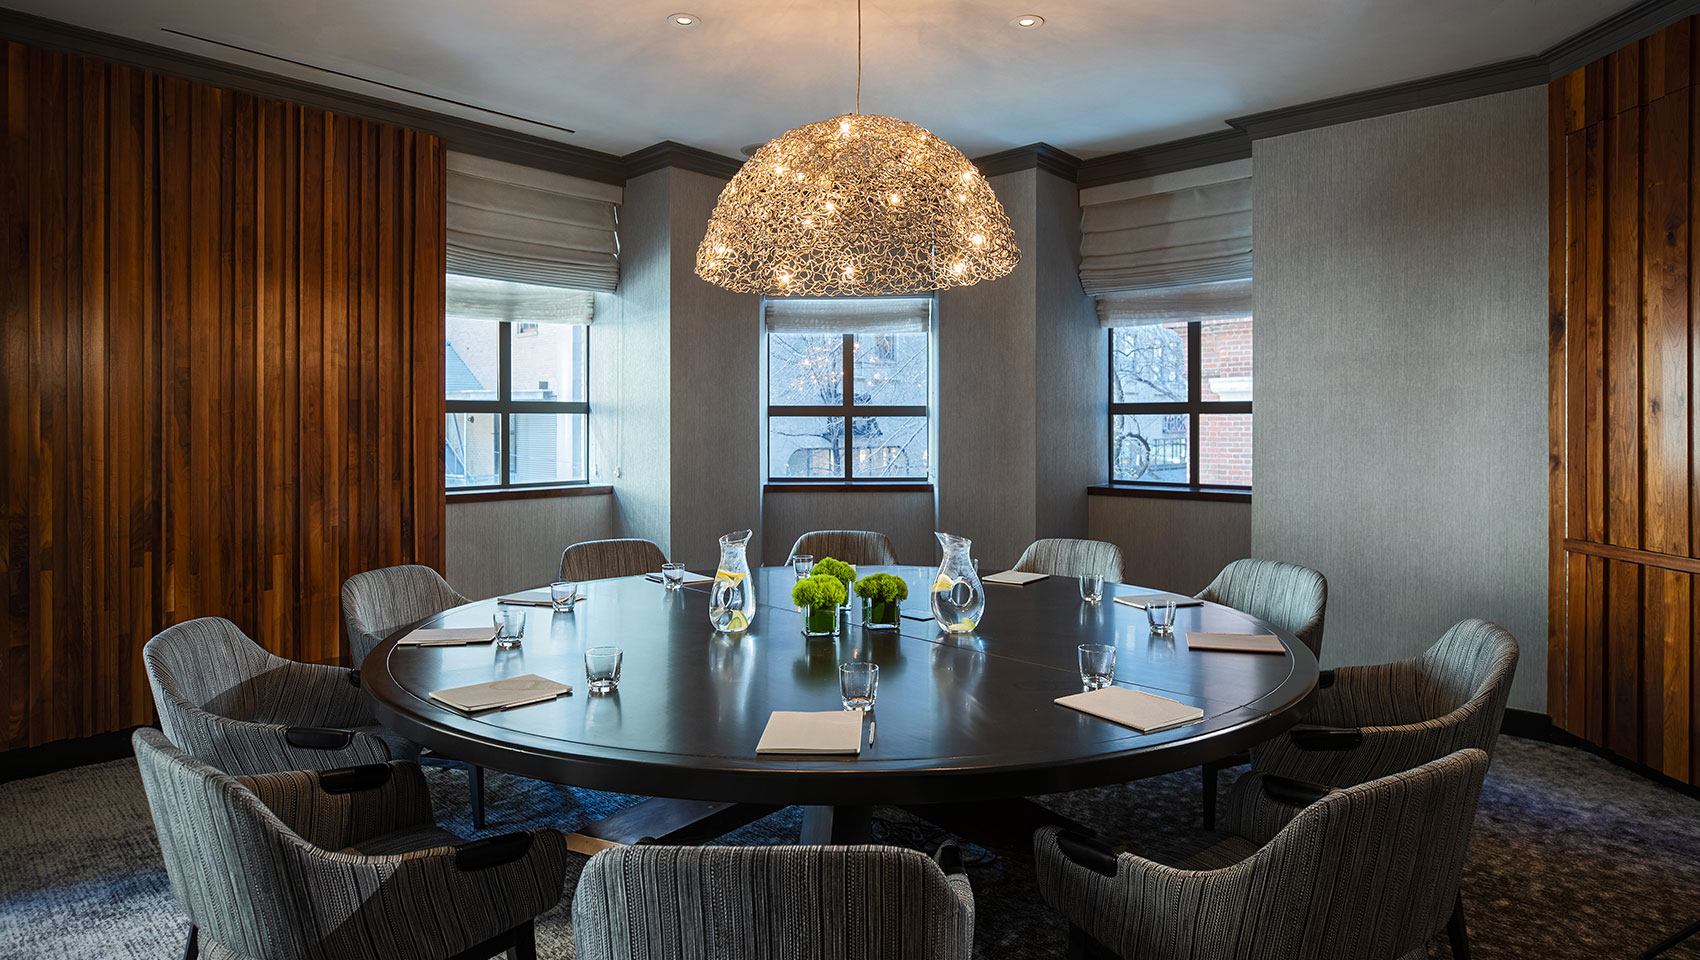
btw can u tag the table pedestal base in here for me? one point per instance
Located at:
(678, 822)
(839, 826)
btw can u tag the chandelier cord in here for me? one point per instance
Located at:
(858, 57)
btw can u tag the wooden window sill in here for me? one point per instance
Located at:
(529, 493)
(859, 486)
(1221, 494)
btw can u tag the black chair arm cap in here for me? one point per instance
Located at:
(949, 859)
(353, 779)
(354, 677)
(1295, 793)
(1324, 679)
(318, 738)
(492, 851)
(1087, 852)
(1327, 738)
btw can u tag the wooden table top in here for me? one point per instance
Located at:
(960, 717)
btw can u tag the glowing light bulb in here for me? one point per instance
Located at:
(843, 126)
(720, 248)
(958, 267)
(977, 239)
(830, 207)
(895, 199)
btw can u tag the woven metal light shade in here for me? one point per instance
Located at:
(856, 206)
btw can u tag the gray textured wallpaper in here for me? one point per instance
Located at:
(1401, 373)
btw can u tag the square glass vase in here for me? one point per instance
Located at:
(880, 614)
(820, 621)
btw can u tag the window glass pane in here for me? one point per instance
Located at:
(891, 369)
(547, 448)
(805, 369)
(1149, 448)
(893, 448)
(472, 363)
(1224, 454)
(1225, 360)
(469, 450)
(1148, 364)
(805, 447)
(549, 361)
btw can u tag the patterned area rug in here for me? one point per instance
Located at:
(1572, 858)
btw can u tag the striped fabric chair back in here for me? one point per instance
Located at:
(1291, 597)
(211, 665)
(755, 903)
(854, 547)
(604, 559)
(1061, 557)
(376, 602)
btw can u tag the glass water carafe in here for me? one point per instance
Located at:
(732, 600)
(958, 596)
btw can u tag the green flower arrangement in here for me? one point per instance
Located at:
(835, 568)
(881, 593)
(819, 596)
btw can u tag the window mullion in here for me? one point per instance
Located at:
(1195, 396)
(848, 394)
(504, 397)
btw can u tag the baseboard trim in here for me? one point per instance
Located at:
(1530, 725)
(64, 754)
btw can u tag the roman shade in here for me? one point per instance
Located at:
(514, 223)
(481, 298)
(842, 315)
(1219, 300)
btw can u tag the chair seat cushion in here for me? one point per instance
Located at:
(1206, 850)
(427, 837)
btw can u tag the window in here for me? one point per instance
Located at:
(1180, 403)
(877, 428)
(516, 388)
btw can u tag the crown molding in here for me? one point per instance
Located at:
(1614, 33)
(1034, 156)
(1200, 151)
(669, 153)
(457, 133)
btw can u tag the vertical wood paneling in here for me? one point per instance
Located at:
(1625, 361)
(221, 371)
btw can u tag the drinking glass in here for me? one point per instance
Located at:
(859, 684)
(562, 595)
(602, 668)
(802, 563)
(1162, 617)
(1097, 665)
(1092, 588)
(673, 575)
(510, 626)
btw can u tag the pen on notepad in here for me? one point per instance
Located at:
(871, 725)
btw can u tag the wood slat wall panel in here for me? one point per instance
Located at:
(221, 370)
(1625, 355)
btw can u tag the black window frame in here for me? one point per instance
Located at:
(849, 411)
(504, 406)
(1194, 407)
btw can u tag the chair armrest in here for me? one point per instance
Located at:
(1088, 852)
(422, 904)
(339, 808)
(1260, 805)
(242, 747)
(496, 851)
(949, 859)
(1324, 679)
(1326, 738)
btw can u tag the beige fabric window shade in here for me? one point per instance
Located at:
(1221, 300)
(508, 222)
(481, 298)
(1195, 235)
(844, 315)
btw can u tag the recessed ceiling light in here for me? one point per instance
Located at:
(749, 149)
(1028, 21)
(682, 19)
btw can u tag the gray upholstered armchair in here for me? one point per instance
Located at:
(752, 903)
(228, 702)
(377, 602)
(604, 559)
(1370, 872)
(1289, 596)
(1370, 721)
(854, 547)
(338, 864)
(1060, 557)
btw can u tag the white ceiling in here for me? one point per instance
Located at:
(1099, 76)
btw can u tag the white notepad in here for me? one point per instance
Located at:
(447, 636)
(1235, 642)
(804, 732)
(1013, 578)
(1145, 712)
(499, 694)
(1141, 601)
(689, 578)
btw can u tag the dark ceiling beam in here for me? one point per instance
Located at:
(668, 153)
(1200, 151)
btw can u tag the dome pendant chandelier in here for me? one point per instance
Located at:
(858, 205)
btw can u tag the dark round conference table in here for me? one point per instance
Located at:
(962, 720)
